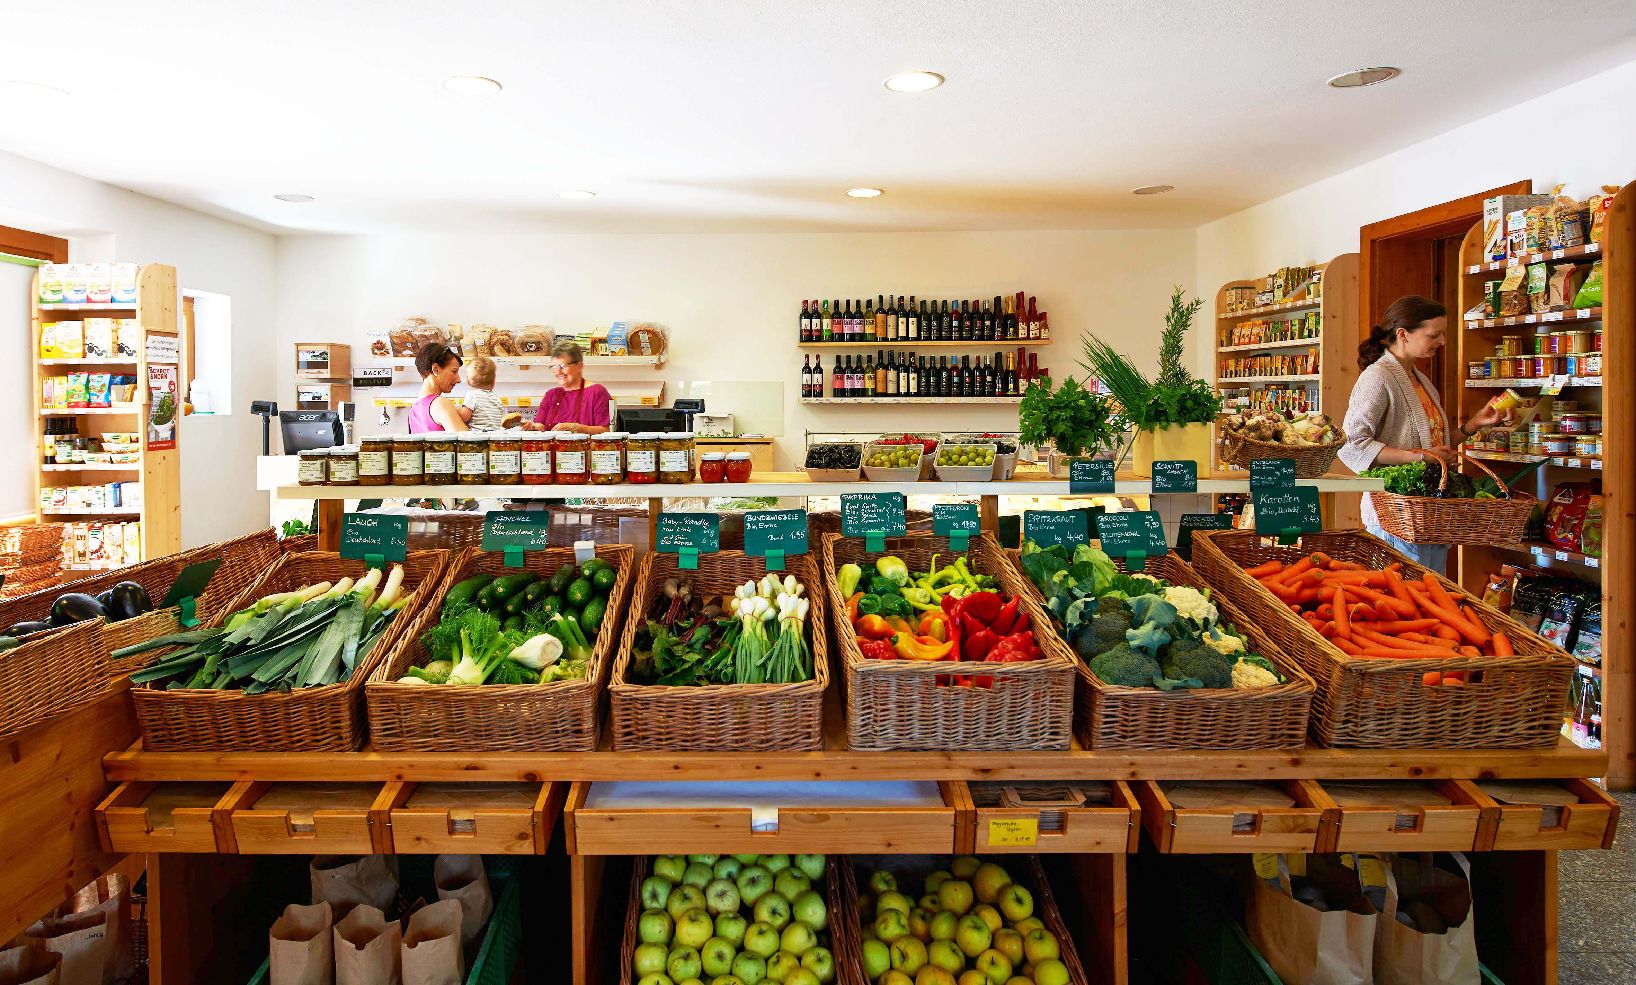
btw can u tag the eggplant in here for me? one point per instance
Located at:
(74, 607)
(127, 600)
(105, 598)
(18, 630)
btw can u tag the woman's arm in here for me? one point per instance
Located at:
(447, 414)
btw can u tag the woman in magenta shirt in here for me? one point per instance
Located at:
(576, 405)
(439, 367)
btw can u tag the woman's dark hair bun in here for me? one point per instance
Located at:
(1408, 313)
(433, 355)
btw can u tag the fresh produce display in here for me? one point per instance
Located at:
(965, 455)
(970, 924)
(1134, 630)
(758, 635)
(517, 628)
(734, 920)
(928, 444)
(126, 600)
(307, 638)
(946, 613)
(834, 455)
(1295, 430)
(894, 457)
(1425, 479)
(1382, 614)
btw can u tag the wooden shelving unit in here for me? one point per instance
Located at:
(924, 344)
(159, 470)
(911, 400)
(1612, 396)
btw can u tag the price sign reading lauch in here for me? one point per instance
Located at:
(1176, 476)
(1047, 528)
(1287, 513)
(872, 516)
(516, 532)
(1133, 536)
(374, 538)
(775, 534)
(956, 521)
(1090, 476)
(687, 535)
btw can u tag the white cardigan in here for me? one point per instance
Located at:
(1384, 411)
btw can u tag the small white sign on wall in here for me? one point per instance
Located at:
(164, 349)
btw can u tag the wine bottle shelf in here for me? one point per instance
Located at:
(911, 400)
(921, 344)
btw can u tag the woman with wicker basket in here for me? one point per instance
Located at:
(1395, 416)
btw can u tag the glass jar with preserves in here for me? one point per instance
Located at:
(676, 456)
(408, 460)
(439, 458)
(642, 458)
(713, 467)
(375, 461)
(313, 467)
(537, 458)
(568, 454)
(506, 458)
(343, 465)
(472, 458)
(608, 457)
(739, 466)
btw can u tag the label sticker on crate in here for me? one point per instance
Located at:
(1013, 831)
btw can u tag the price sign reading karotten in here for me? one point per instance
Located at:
(1198, 521)
(773, 534)
(1271, 473)
(1090, 475)
(956, 521)
(1047, 528)
(1287, 513)
(375, 538)
(1176, 476)
(872, 516)
(515, 532)
(1132, 536)
(688, 535)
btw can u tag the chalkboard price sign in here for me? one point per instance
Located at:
(1132, 536)
(1070, 528)
(688, 535)
(1176, 476)
(1271, 473)
(1198, 521)
(773, 534)
(1090, 476)
(956, 521)
(1287, 513)
(872, 516)
(515, 532)
(375, 538)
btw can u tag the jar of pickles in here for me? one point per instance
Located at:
(739, 466)
(408, 459)
(537, 458)
(439, 458)
(608, 457)
(313, 467)
(472, 458)
(506, 458)
(676, 456)
(343, 465)
(568, 452)
(642, 458)
(713, 467)
(375, 461)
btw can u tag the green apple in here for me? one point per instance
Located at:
(721, 896)
(895, 977)
(657, 978)
(989, 880)
(773, 909)
(683, 963)
(655, 927)
(703, 859)
(1009, 943)
(727, 867)
(761, 939)
(775, 863)
(730, 927)
(1039, 945)
(908, 955)
(682, 899)
(954, 895)
(717, 956)
(881, 881)
(990, 916)
(748, 859)
(821, 963)
(698, 874)
(929, 902)
(809, 908)
(994, 964)
(937, 879)
(750, 968)
(781, 965)
(973, 935)
(943, 925)
(650, 959)
(670, 868)
(1050, 972)
(974, 977)
(1016, 903)
(692, 930)
(1024, 926)
(791, 882)
(893, 900)
(691, 981)
(890, 925)
(655, 890)
(877, 957)
(753, 883)
(800, 976)
(933, 975)
(726, 980)
(797, 939)
(946, 955)
(965, 866)
(812, 866)
(920, 924)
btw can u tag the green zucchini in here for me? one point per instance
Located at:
(464, 591)
(506, 586)
(536, 591)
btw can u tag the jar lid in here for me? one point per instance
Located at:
(569, 436)
(644, 436)
(737, 456)
(713, 456)
(316, 451)
(613, 435)
(411, 437)
(344, 450)
(473, 436)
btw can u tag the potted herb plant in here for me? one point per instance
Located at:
(1173, 413)
(1073, 419)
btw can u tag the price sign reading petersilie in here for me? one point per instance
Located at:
(1271, 473)
(1176, 476)
(950, 517)
(1136, 531)
(775, 530)
(1070, 528)
(700, 531)
(1198, 521)
(519, 530)
(1280, 511)
(1090, 475)
(872, 513)
(380, 534)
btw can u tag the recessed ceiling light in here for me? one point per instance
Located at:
(914, 81)
(34, 88)
(863, 193)
(471, 85)
(577, 194)
(1152, 189)
(1360, 77)
(293, 198)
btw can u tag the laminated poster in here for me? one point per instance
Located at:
(164, 402)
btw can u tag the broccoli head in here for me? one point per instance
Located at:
(1125, 667)
(1191, 658)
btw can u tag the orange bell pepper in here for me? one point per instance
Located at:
(875, 628)
(921, 647)
(933, 626)
(900, 624)
(852, 607)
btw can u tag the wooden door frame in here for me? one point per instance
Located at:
(36, 246)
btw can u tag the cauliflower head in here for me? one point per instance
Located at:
(1191, 604)
(1246, 674)
(1224, 643)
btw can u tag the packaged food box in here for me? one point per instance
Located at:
(99, 338)
(51, 283)
(76, 283)
(124, 283)
(1495, 212)
(133, 541)
(99, 283)
(68, 340)
(128, 333)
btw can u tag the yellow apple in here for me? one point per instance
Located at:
(920, 924)
(973, 977)
(1050, 972)
(1016, 903)
(990, 916)
(1024, 926)
(1039, 945)
(933, 975)
(955, 896)
(908, 955)
(946, 955)
(1009, 943)
(893, 900)
(994, 964)
(943, 927)
(965, 866)
(989, 880)
(937, 879)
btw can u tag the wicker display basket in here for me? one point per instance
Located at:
(720, 717)
(1430, 520)
(842, 939)
(1111, 717)
(329, 718)
(556, 717)
(917, 867)
(911, 704)
(1384, 704)
(51, 675)
(1311, 461)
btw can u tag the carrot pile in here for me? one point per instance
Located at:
(1381, 614)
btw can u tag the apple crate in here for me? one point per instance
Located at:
(834, 937)
(911, 870)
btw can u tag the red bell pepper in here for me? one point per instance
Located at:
(978, 644)
(1016, 648)
(877, 649)
(983, 607)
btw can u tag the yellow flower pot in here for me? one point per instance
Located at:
(1178, 442)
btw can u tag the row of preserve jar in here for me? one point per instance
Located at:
(517, 457)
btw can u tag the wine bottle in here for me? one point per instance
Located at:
(880, 373)
(1033, 321)
(1045, 327)
(837, 383)
(857, 315)
(806, 323)
(825, 325)
(958, 329)
(806, 377)
(903, 374)
(917, 319)
(869, 370)
(870, 331)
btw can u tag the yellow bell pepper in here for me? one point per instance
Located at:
(921, 647)
(933, 626)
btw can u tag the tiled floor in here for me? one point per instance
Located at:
(1596, 922)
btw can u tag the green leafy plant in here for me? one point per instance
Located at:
(1176, 396)
(295, 528)
(1071, 417)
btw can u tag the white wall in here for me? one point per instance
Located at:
(1579, 135)
(18, 413)
(729, 302)
(219, 498)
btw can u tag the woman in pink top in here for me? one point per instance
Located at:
(575, 405)
(439, 367)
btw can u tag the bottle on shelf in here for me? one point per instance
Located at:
(870, 330)
(869, 375)
(857, 322)
(806, 323)
(806, 377)
(917, 319)
(880, 317)
(1033, 320)
(826, 325)
(903, 374)
(837, 381)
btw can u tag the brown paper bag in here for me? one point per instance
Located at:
(432, 952)
(82, 940)
(300, 950)
(1442, 948)
(1308, 946)
(366, 948)
(111, 895)
(30, 964)
(344, 881)
(461, 878)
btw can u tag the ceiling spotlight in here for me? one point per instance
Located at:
(293, 198)
(1152, 189)
(32, 88)
(914, 81)
(863, 193)
(1360, 77)
(471, 85)
(576, 194)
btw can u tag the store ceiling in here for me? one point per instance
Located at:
(688, 115)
